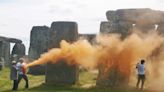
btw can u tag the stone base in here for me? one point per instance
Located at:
(111, 78)
(37, 70)
(61, 74)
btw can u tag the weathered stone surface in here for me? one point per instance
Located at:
(3, 38)
(121, 27)
(63, 31)
(19, 50)
(89, 37)
(12, 40)
(144, 28)
(5, 48)
(111, 78)
(140, 16)
(2, 63)
(39, 41)
(5, 52)
(61, 73)
(121, 21)
(105, 27)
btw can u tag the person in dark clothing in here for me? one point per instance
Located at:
(14, 75)
(22, 72)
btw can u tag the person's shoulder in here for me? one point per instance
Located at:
(18, 64)
(139, 65)
(142, 64)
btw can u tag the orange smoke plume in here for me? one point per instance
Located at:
(80, 52)
(110, 51)
(123, 55)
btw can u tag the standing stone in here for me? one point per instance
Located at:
(111, 77)
(5, 52)
(5, 49)
(19, 50)
(119, 27)
(62, 73)
(39, 40)
(1, 63)
(105, 27)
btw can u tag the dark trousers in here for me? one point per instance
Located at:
(141, 78)
(20, 76)
(15, 85)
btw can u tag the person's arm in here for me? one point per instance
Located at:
(15, 67)
(137, 65)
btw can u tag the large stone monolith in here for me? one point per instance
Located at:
(105, 27)
(61, 73)
(120, 27)
(142, 16)
(39, 41)
(5, 49)
(111, 77)
(19, 49)
(5, 52)
(124, 21)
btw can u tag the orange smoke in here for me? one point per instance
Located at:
(80, 52)
(109, 52)
(123, 55)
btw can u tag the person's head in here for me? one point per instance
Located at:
(21, 60)
(142, 61)
(13, 62)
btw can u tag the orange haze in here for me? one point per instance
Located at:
(111, 50)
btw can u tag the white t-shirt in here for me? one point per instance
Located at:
(19, 66)
(141, 69)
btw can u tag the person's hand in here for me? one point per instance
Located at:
(137, 65)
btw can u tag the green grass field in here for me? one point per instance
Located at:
(86, 83)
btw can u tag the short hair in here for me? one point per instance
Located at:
(21, 60)
(142, 61)
(13, 62)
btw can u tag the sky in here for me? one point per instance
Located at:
(17, 17)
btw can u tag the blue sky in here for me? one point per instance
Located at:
(18, 16)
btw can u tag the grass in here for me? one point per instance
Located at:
(87, 81)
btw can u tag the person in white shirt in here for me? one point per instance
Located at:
(22, 72)
(141, 73)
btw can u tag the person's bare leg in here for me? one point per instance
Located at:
(138, 81)
(142, 84)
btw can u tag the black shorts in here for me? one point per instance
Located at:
(141, 77)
